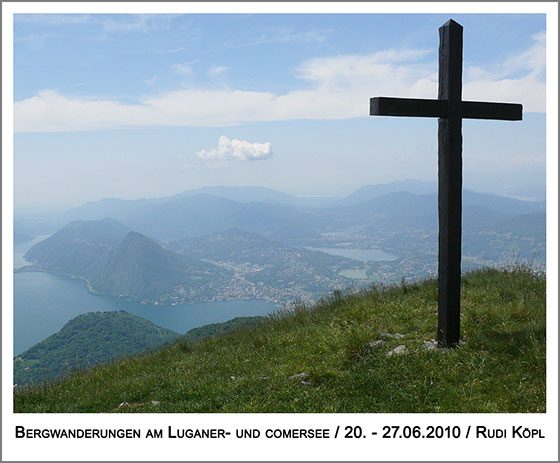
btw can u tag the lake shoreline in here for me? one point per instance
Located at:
(44, 302)
(34, 268)
(360, 255)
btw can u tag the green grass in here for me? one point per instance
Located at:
(88, 339)
(498, 367)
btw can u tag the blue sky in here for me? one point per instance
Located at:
(149, 105)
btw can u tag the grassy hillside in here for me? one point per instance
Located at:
(86, 340)
(336, 357)
(214, 329)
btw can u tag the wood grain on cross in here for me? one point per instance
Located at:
(450, 109)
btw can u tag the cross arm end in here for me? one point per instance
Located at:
(412, 107)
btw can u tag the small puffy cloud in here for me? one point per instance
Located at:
(236, 150)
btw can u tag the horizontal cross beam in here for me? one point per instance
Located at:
(413, 107)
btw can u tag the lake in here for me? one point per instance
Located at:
(362, 255)
(21, 248)
(44, 302)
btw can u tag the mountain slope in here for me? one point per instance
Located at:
(86, 340)
(140, 268)
(408, 209)
(369, 192)
(118, 209)
(337, 357)
(77, 246)
(184, 216)
(242, 194)
(118, 262)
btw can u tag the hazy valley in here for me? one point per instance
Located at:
(220, 243)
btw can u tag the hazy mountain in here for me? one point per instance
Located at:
(184, 216)
(77, 246)
(247, 194)
(408, 209)
(118, 209)
(140, 268)
(282, 216)
(530, 192)
(392, 209)
(502, 204)
(85, 341)
(242, 194)
(162, 218)
(404, 224)
(273, 220)
(22, 232)
(195, 214)
(125, 264)
(369, 192)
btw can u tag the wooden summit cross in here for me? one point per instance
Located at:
(450, 110)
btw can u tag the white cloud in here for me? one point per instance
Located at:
(184, 69)
(236, 150)
(216, 70)
(135, 22)
(52, 18)
(151, 81)
(173, 50)
(50, 111)
(281, 35)
(339, 87)
(519, 79)
(35, 41)
(284, 35)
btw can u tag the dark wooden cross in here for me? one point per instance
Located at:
(450, 109)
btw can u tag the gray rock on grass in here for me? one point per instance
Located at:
(397, 351)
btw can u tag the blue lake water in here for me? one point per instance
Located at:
(362, 255)
(43, 303)
(21, 248)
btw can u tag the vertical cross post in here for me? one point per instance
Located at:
(450, 111)
(450, 167)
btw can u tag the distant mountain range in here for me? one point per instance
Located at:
(285, 217)
(250, 242)
(370, 192)
(196, 214)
